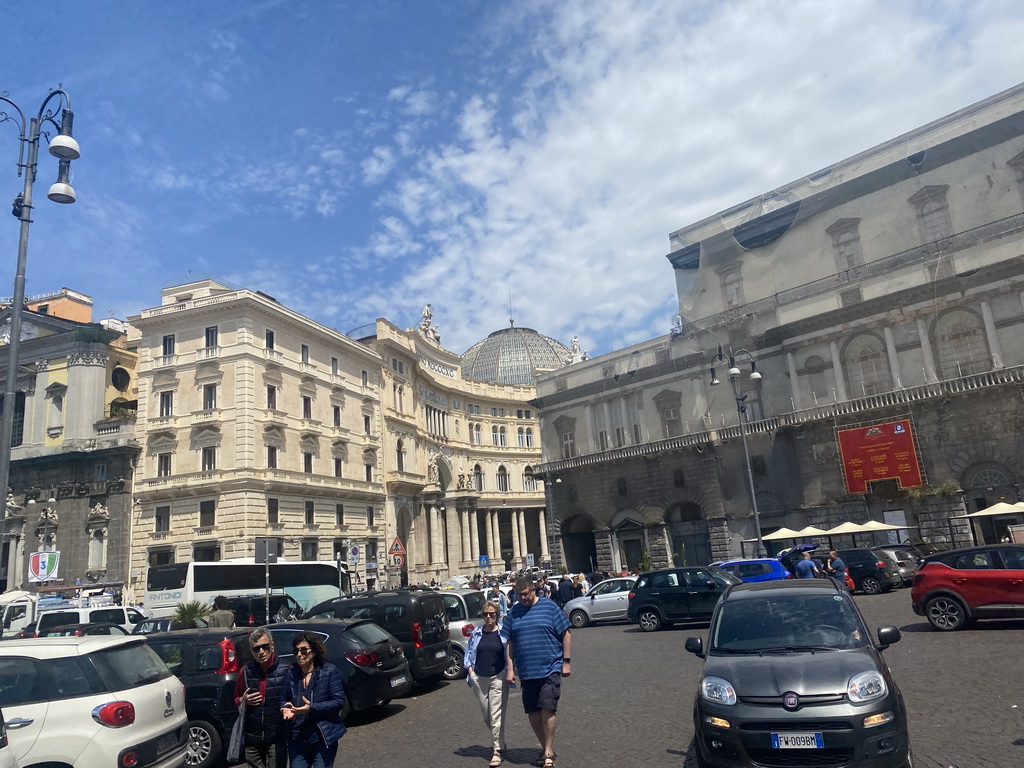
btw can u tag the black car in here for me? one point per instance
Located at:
(206, 661)
(661, 598)
(792, 678)
(251, 610)
(373, 666)
(150, 626)
(77, 630)
(416, 619)
(872, 571)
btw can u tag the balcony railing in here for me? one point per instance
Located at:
(164, 361)
(824, 412)
(207, 353)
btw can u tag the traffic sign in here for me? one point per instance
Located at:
(397, 561)
(485, 561)
(353, 555)
(396, 547)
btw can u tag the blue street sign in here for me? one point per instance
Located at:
(484, 561)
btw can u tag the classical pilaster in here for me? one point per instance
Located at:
(542, 523)
(474, 535)
(930, 375)
(463, 515)
(794, 381)
(991, 335)
(837, 371)
(517, 551)
(894, 362)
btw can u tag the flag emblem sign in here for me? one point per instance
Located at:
(42, 566)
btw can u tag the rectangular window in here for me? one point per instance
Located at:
(304, 353)
(339, 515)
(162, 519)
(336, 415)
(334, 366)
(366, 379)
(672, 422)
(528, 415)
(369, 516)
(210, 336)
(269, 337)
(494, 411)
(163, 465)
(209, 460)
(273, 508)
(310, 550)
(307, 407)
(207, 513)
(519, 413)
(272, 398)
(307, 463)
(271, 457)
(161, 557)
(168, 344)
(602, 440)
(568, 440)
(209, 397)
(620, 437)
(166, 404)
(339, 468)
(206, 553)
(100, 473)
(366, 424)
(310, 512)
(369, 473)
(501, 412)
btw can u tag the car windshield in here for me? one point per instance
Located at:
(787, 622)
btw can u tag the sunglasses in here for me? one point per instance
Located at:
(262, 647)
(489, 614)
(303, 651)
(525, 594)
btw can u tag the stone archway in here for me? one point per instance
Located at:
(579, 548)
(688, 531)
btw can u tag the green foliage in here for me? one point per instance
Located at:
(645, 562)
(188, 614)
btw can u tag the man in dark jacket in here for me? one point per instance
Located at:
(565, 593)
(260, 682)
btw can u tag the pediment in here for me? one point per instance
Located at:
(162, 442)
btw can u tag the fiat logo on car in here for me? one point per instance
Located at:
(790, 701)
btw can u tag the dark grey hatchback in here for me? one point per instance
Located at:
(792, 678)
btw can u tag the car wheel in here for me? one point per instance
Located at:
(869, 585)
(204, 745)
(579, 619)
(649, 620)
(455, 669)
(945, 613)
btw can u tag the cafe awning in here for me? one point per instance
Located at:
(846, 527)
(875, 525)
(810, 532)
(782, 533)
(1002, 508)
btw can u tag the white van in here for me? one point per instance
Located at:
(126, 617)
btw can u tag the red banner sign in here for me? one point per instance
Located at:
(879, 452)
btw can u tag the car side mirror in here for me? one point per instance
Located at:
(695, 645)
(888, 635)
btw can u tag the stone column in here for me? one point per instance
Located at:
(436, 535)
(991, 335)
(542, 523)
(894, 363)
(794, 382)
(474, 535)
(496, 532)
(464, 527)
(524, 541)
(517, 552)
(837, 371)
(930, 375)
(488, 532)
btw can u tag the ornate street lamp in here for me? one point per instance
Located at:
(64, 147)
(741, 411)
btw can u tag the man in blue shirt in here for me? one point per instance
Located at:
(806, 569)
(837, 568)
(538, 649)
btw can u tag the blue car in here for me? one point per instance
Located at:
(755, 569)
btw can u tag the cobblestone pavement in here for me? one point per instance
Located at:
(628, 702)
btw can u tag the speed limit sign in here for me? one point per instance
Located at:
(397, 561)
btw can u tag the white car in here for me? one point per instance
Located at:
(91, 701)
(607, 600)
(6, 752)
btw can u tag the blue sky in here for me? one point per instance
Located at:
(359, 159)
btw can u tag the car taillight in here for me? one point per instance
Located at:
(882, 565)
(363, 658)
(252, 620)
(129, 759)
(467, 630)
(631, 594)
(417, 634)
(228, 657)
(116, 714)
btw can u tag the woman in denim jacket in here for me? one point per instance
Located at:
(315, 720)
(485, 673)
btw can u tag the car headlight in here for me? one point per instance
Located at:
(867, 686)
(718, 691)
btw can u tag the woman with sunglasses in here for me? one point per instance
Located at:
(485, 672)
(311, 702)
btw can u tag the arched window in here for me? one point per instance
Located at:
(529, 437)
(867, 366)
(529, 481)
(815, 368)
(400, 456)
(503, 479)
(521, 437)
(961, 344)
(494, 436)
(501, 437)
(478, 478)
(476, 432)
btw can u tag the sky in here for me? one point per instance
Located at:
(357, 160)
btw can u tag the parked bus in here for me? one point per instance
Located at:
(308, 582)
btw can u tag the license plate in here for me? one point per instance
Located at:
(440, 654)
(166, 742)
(797, 741)
(397, 681)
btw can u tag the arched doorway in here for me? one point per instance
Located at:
(691, 544)
(578, 547)
(630, 546)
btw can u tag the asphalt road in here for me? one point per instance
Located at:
(628, 702)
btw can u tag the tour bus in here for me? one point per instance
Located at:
(308, 582)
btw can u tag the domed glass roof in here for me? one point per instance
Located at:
(512, 356)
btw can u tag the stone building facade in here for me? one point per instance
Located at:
(73, 447)
(885, 289)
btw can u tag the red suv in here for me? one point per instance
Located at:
(987, 582)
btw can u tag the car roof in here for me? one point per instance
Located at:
(327, 626)
(966, 550)
(754, 589)
(62, 646)
(208, 634)
(747, 560)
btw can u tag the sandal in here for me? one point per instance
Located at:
(495, 759)
(548, 761)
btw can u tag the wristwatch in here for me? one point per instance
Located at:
(566, 660)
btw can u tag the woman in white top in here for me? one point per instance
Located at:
(485, 673)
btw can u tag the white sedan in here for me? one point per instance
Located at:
(607, 600)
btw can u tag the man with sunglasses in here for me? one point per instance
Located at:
(260, 683)
(538, 650)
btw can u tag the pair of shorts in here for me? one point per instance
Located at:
(542, 693)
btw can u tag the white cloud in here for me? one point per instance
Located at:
(378, 165)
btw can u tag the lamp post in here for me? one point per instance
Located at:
(741, 412)
(64, 147)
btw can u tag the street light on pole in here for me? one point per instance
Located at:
(64, 147)
(741, 412)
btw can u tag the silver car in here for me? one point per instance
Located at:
(906, 561)
(462, 607)
(607, 600)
